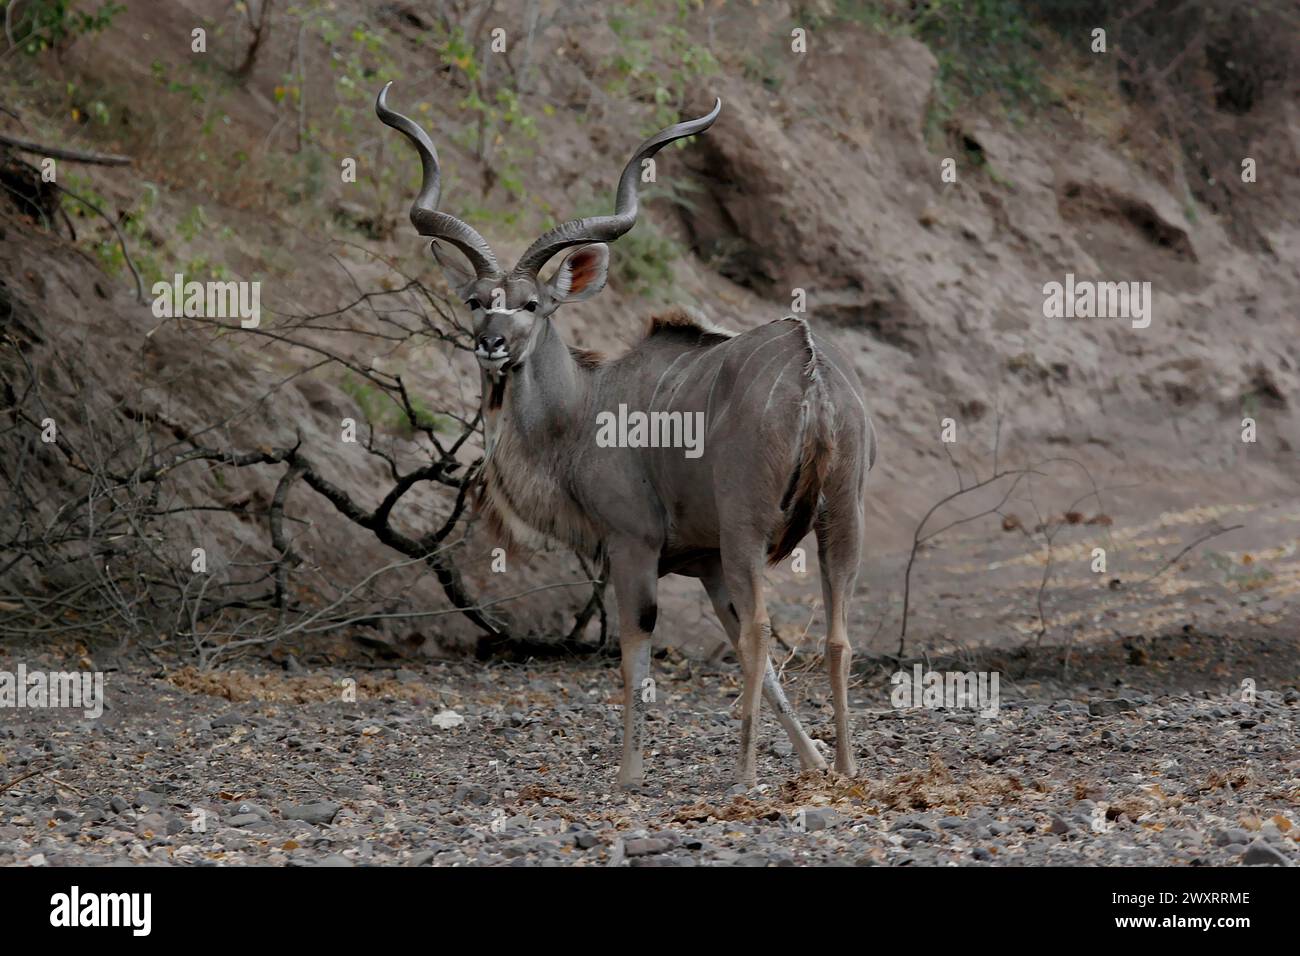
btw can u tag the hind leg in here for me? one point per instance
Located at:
(712, 579)
(839, 542)
(742, 569)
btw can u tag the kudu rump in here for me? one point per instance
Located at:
(786, 447)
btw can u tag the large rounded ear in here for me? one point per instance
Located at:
(458, 277)
(582, 273)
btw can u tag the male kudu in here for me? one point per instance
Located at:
(788, 445)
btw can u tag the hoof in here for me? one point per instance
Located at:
(630, 779)
(813, 761)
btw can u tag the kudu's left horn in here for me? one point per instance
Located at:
(426, 218)
(608, 228)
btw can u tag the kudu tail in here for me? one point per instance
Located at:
(799, 504)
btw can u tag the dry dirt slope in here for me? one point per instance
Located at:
(828, 184)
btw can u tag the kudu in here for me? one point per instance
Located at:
(787, 447)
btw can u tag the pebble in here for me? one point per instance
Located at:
(1234, 835)
(1111, 707)
(818, 818)
(319, 813)
(1262, 853)
(647, 846)
(244, 820)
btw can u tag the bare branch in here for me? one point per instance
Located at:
(69, 155)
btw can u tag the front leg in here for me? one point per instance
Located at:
(635, 651)
(635, 574)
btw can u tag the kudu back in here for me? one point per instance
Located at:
(782, 446)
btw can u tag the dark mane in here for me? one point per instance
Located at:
(679, 324)
(675, 325)
(586, 358)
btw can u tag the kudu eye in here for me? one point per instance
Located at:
(474, 304)
(531, 305)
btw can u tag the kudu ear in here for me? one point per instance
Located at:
(458, 276)
(582, 273)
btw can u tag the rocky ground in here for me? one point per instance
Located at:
(457, 764)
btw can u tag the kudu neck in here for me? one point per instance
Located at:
(546, 394)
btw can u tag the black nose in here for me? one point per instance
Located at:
(491, 343)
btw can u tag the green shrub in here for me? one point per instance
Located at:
(39, 25)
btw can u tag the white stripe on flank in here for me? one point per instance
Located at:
(740, 375)
(772, 391)
(853, 389)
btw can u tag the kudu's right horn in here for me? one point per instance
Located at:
(426, 218)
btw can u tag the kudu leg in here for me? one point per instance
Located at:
(635, 650)
(809, 757)
(839, 658)
(839, 569)
(745, 585)
(635, 587)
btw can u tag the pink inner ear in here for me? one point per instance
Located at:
(582, 269)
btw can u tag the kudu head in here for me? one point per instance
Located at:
(511, 308)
